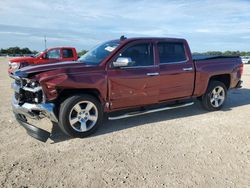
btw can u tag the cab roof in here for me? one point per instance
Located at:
(126, 40)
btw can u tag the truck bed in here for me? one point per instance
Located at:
(208, 57)
(208, 67)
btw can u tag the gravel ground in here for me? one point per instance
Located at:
(186, 147)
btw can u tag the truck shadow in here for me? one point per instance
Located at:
(236, 98)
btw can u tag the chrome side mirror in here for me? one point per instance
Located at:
(122, 62)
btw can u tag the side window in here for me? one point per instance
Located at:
(53, 54)
(170, 52)
(140, 54)
(67, 53)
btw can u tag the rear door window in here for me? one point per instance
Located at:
(67, 53)
(171, 52)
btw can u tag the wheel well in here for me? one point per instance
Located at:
(224, 78)
(64, 94)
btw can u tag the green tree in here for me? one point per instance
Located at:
(16, 51)
(82, 52)
(25, 51)
(226, 53)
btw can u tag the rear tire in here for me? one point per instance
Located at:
(215, 96)
(80, 115)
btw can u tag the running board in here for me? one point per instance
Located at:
(149, 111)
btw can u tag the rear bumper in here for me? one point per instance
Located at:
(239, 84)
(34, 111)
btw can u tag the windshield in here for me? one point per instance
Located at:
(99, 53)
(39, 53)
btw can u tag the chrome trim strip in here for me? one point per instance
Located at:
(177, 62)
(33, 90)
(149, 111)
(188, 69)
(153, 74)
(17, 88)
(136, 67)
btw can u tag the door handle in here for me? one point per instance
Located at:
(188, 69)
(153, 74)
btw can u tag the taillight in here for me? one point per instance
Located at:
(241, 69)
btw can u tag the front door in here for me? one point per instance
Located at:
(136, 84)
(52, 56)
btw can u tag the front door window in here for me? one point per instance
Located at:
(53, 54)
(140, 55)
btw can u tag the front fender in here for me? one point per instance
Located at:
(53, 85)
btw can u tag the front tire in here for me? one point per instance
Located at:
(80, 115)
(215, 96)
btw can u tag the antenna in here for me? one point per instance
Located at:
(45, 42)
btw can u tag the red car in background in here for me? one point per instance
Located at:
(50, 55)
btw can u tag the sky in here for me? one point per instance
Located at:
(208, 25)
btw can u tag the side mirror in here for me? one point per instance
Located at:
(122, 62)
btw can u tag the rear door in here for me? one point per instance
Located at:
(136, 84)
(176, 71)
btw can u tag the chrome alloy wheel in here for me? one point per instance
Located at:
(217, 96)
(83, 116)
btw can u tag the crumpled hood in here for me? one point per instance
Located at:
(36, 69)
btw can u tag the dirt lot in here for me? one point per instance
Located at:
(186, 147)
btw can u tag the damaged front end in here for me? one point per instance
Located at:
(29, 102)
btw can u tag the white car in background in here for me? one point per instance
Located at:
(245, 59)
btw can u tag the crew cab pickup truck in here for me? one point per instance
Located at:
(119, 79)
(51, 55)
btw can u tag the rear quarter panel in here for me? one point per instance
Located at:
(205, 69)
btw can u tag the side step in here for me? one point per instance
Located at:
(138, 113)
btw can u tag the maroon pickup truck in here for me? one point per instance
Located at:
(119, 79)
